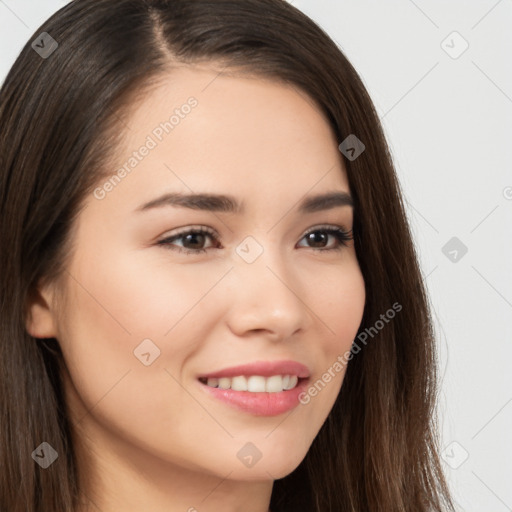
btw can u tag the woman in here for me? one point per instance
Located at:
(210, 295)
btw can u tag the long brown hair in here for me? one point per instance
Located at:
(61, 117)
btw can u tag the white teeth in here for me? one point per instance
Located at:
(239, 383)
(255, 383)
(274, 384)
(224, 383)
(293, 382)
(213, 382)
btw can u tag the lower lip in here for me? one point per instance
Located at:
(259, 404)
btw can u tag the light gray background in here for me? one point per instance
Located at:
(448, 119)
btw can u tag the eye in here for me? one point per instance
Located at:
(319, 236)
(193, 240)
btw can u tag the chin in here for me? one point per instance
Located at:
(276, 465)
(272, 470)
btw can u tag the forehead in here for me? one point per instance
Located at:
(210, 131)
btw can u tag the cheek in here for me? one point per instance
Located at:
(137, 298)
(111, 309)
(114, 306)
(340, 308)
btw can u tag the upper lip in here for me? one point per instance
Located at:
(262, 368)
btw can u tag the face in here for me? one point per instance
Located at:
(168, 296)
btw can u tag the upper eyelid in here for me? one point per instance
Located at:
(183, 231)
(326, 226)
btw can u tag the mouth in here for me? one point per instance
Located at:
(261, 388)
(253, 383)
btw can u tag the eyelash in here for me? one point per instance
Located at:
(341, 235)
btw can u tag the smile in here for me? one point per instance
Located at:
(264, 388)
(254, 383)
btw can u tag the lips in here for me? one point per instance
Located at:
(264, 388)
(262, 368)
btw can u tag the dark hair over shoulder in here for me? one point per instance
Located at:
(60, 117)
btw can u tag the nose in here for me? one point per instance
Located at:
(265, 297)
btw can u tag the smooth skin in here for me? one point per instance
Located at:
(149, 437)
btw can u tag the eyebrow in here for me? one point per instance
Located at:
(228, 204)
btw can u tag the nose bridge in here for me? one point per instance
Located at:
(263, 295)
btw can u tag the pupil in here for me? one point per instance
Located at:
(193, 235)
(317, 238)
